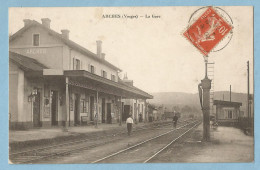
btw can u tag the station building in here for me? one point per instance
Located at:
(53, 81)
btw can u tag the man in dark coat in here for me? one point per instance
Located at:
(175, 119)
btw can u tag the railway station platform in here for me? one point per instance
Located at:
(227, 144)
(45, 133)
(21, 138)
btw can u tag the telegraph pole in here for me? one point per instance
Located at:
(230, 93)
(121, 112)
(206, 86)
(248, 93)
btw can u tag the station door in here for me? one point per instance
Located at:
(36, 111)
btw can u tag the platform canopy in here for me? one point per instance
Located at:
(79, 78)
(85, 79)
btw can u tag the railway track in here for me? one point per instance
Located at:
(147, 150)
(42, 153)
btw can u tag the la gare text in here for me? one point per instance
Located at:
(115, 16)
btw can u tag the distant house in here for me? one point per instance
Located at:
(169, 115)
(160, 112)
(152, 112)
(227, 112)
(155, 113)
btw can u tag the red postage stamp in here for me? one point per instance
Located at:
(207, 31)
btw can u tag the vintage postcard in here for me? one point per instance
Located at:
(171, 84)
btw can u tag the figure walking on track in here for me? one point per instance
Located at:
(129, 123)
(175, 119)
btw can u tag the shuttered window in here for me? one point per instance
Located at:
(230, 114)
(104, 74)
(76, 64)
(83, 106)
(92, 69)
(36, 39)
(113, 78)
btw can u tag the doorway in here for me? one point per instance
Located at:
(54, 108)
(91, 108)
(109, 117)
(103, 110)
(122, 110)
(36, 110)
(126, 112)
(76, 110)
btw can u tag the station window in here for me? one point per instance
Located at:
(83, 106)
(230, 114)
(113, 78)
(36, 39)
(104, 74)
(92, 69)
(76, 64)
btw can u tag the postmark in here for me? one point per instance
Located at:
(208, 31)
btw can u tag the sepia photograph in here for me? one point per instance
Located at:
(106, 85)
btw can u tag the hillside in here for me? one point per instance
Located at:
(171, 99)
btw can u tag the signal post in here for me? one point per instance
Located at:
(206, 86)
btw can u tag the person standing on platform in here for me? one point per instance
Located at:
(96, 120)
(129, 124)
(175, 119)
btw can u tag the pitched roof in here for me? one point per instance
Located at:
(227, 103)
(26, 63)
(68, 42)
(133, 87)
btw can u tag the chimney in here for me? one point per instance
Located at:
(99, 48)
(103, 56)
(125, 77)
(65, 33)
(129, 82)
(26, 22)
(230, 93)
(46, 22)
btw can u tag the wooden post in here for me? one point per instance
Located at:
(96, 116)
(65, 119)
(145, 112)
(136, 114)
(121, 112)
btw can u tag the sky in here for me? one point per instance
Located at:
(152, 51)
